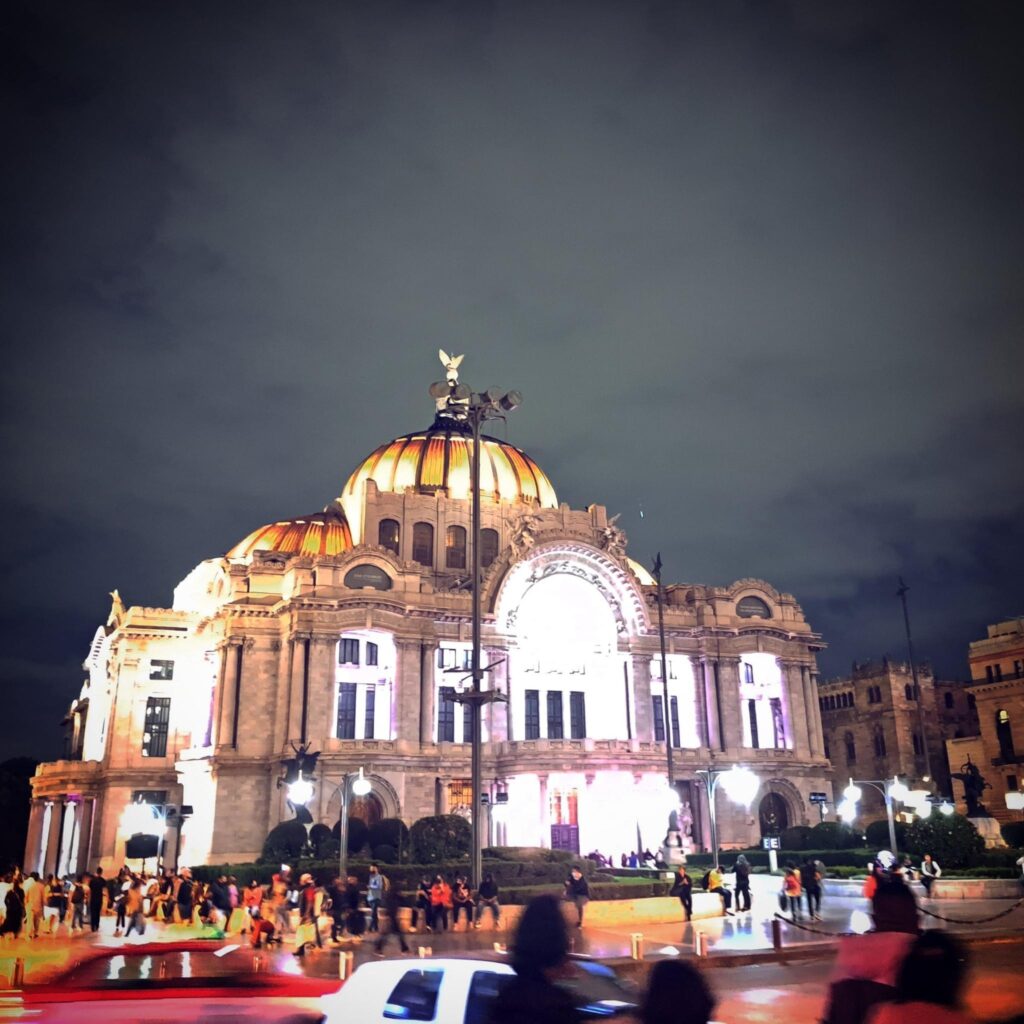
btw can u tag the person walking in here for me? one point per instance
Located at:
(391, 926)
(577, 891)
(682, 887)
(310, 904)
(334, 903)
(462, 902)
(440, 903)
(930, 870)
(540, 953)
(355, 920)
(97, 889)
(792, 891)
(133, 909)
(487, 896)
(78, 905)
(35, 901)
(422, 906)
(742, 871)
(810, 882)
(374, 892)
(14, 910)
(56, 904)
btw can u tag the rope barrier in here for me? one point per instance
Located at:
(809, 928)
(973, 920)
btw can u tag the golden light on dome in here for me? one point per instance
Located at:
(322, 533)
(441, 458)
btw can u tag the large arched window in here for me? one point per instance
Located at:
(423, 543)
(1005, 735)
(387, 535)
(879, 741)
(488, 547)
(455, 548)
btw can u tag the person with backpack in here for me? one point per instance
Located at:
(810, 881)
(742, 871)
(78, 904)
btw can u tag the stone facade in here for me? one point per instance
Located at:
(997, 673)
(872, 727)
(312, 632)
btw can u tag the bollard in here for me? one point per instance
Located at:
(161, 971)
(636, 946)
(346, 960)
(776, 934)
(499, 947)
(18, 973)
(426, 951)
(700, 944)
(257, 963)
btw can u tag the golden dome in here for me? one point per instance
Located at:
(440, 458)
(322, 533)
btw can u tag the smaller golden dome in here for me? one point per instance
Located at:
(321, 533)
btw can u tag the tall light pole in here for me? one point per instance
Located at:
(462, 405)
(359, 785)
(740, 783)
(890, 790)
(918, 695)
(666, 716)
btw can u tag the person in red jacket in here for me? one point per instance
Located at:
(440, 903)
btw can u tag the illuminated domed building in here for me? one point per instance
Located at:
(349, 630)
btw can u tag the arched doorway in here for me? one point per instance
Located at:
(773, 813)
(367, 808)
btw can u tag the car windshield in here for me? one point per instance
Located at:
(596, 990)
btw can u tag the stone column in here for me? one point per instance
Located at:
(794, 713)
(810, 707)
(321, 689)
(711, 702)
(282, 694)
(544, 815)
(52, 839)
(428, 658)
(729, 693)
(34, 838)
(84, 835)
(643, 710)
(407, 691)
(497, 713)
(815, 705)
(700, 707)
(229, 692)
(293, 729)
(218, 693)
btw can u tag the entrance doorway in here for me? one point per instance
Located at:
(773, 813)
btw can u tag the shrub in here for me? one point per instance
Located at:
(833, 835)
(284, 842)
(953, 841)
(323, 842)
(1013, 834)
(393, 833)
(797, 837)
(358, 834)
(528, 853)
(385, 854)
(440, 837)
(877, 834)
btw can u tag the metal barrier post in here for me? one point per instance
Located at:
(636, 945)
(776, 934)
(18, 973)
(700, 943)
(345, 964)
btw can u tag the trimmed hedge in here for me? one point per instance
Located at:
(1013, 834)
(440, 837)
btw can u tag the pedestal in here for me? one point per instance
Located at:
(988, 829)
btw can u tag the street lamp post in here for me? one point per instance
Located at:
(463, 405)
(359, 785)
(666, 715)
(740, 783)
(890, 790)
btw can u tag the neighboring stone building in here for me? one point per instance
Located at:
(997, 673)
(349, 630)
(872, 728)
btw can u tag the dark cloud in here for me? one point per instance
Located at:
(754, 266)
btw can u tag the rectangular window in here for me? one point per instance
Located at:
(371, 707)
(346, 711)
(161, 670)
(577, 715)
(371, 654)
(446, 715)
(154, 729)
(348, 652)
(555, 727)
(446, 657)
(752, 719)
(778, 725)
(748, 673)
(1011, 783)
(532, 718)
(673, 720)
(659, 720)
(467, 723)
(999, 673)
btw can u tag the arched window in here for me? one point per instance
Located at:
(488, 547)
(918, 744)
(387, 535)
(948, 697)
(1004, 734)
(908, 692)
(879, 741)
(455, 548)
(828, 753)
(851, 748)
(423, 543)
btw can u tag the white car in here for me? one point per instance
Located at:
(458, 990)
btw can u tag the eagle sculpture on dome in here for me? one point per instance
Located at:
(451, 366)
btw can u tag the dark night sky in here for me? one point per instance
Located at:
(755, 266)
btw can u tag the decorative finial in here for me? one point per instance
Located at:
(451, 366)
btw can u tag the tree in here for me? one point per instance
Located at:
(15, 803)
(951, 839)
(440, 837)
(797, 837)
(877, 834)
(388, 837)
(284, 842)
(358, 834)
(833, 835)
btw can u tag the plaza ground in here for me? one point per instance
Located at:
(754, 983)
